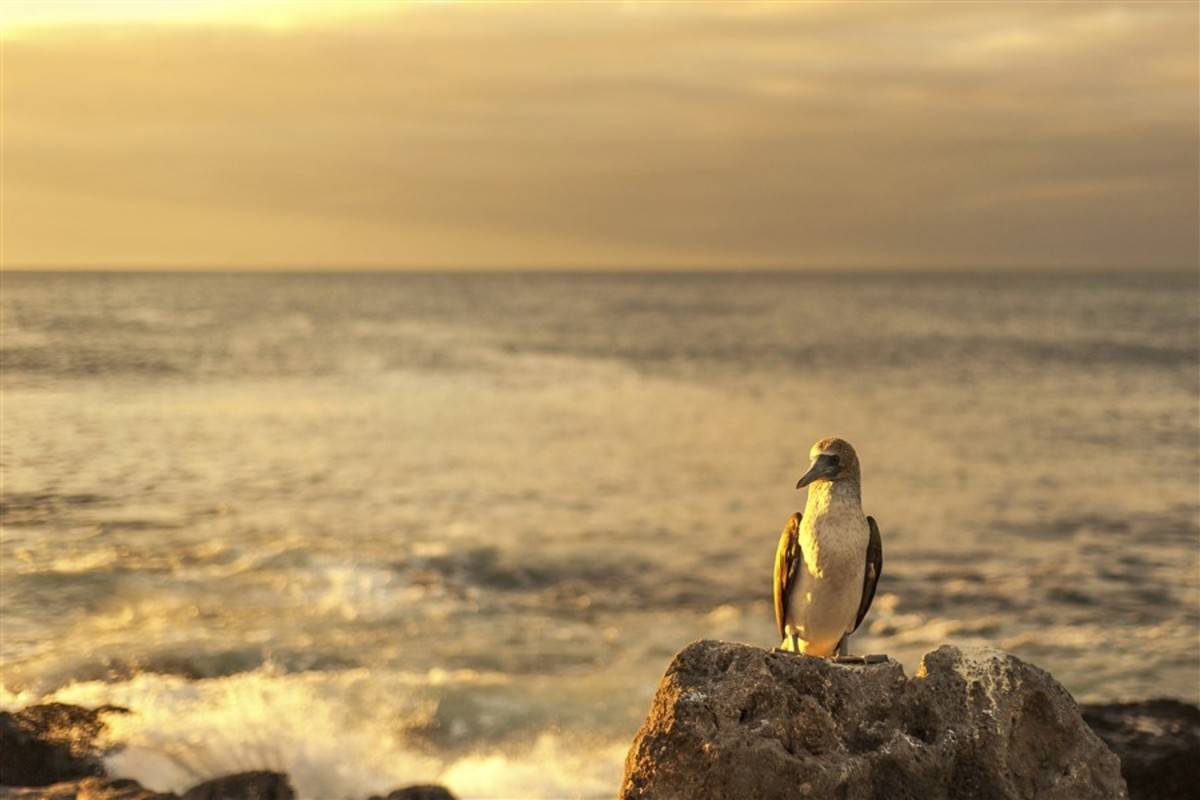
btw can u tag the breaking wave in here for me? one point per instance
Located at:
(337, 735)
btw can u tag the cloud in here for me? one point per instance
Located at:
(660, 135)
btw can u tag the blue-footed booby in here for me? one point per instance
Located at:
(829, 558)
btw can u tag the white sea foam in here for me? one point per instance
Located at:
(554, 767)
(560, 482)
(337, 735)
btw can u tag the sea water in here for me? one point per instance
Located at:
(384, 529)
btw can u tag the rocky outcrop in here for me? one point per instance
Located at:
(422, 792)
(244, 786)
(51, 743)
(1158, 742)
(53, 751)
(86, 789)
(730, 720)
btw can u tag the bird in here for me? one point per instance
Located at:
(829, 558)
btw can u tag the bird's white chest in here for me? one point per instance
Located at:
(824, 605)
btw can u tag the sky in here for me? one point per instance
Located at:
(584, 135)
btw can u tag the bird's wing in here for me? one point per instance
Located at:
(788, 558)
(873, 571)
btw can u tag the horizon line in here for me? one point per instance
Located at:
(359, 269)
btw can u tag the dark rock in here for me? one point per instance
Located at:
(421, 792)
(1158, 742)
(86, 789)
(51, 743)
(244, 786)
(730, 720)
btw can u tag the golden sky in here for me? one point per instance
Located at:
(370, 134)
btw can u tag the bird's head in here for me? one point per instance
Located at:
(833, 459)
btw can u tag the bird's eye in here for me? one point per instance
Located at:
(835, 460)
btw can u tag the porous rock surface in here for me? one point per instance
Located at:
(734, 721)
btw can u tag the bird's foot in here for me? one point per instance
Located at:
(874, 658)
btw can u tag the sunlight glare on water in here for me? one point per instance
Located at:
(378, 530)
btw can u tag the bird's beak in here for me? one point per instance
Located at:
(823, 466)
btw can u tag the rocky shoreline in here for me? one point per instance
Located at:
(52, 752)
(731, 720)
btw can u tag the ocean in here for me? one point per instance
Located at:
(381, 529)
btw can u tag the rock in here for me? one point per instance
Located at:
(86, 789)
(259, 785)
(730, 720)
(51, 743)
(421, 792)
(1158, 742)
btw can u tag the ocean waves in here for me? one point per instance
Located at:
(198, 327)
(348, 733)
(457, 525)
